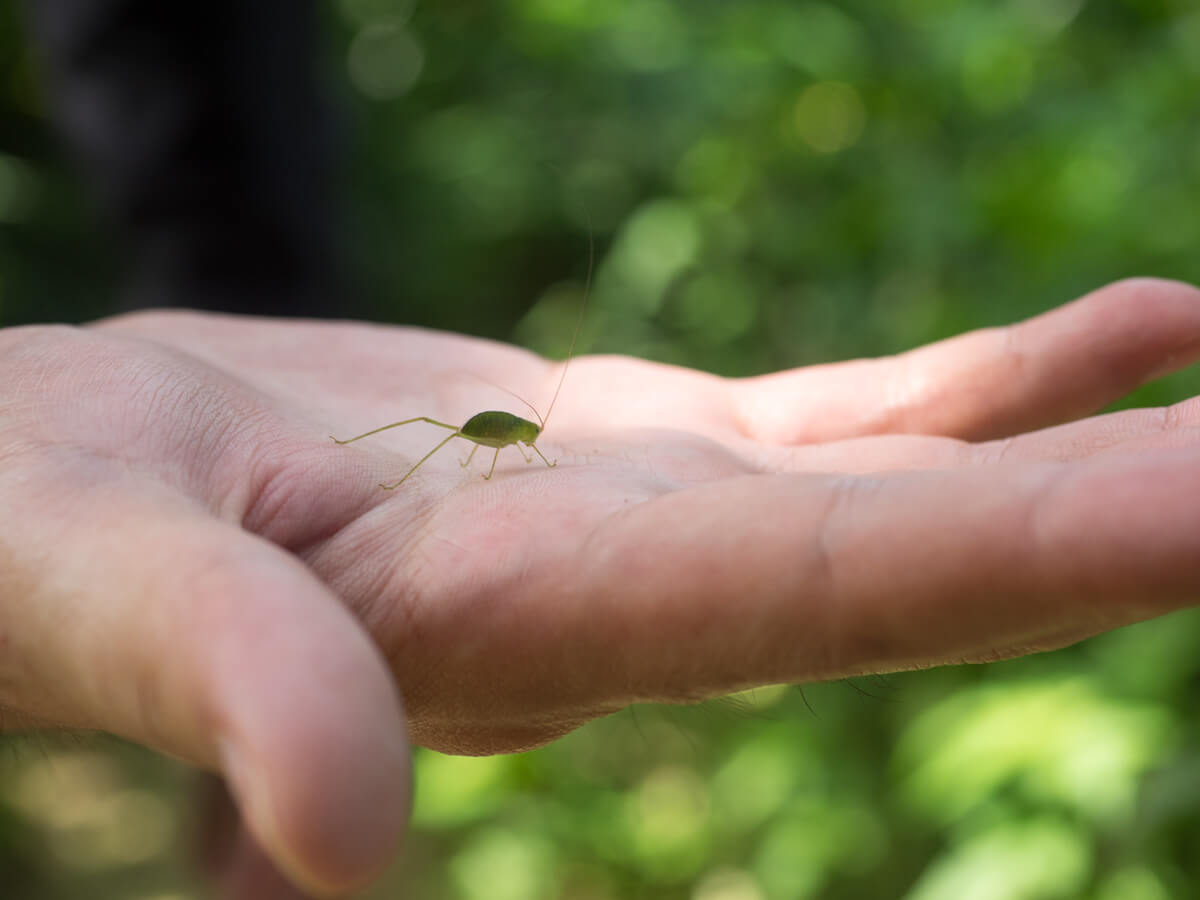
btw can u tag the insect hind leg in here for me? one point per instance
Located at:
(420, 462)
(359, 437)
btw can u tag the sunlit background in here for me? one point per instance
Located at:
(768, 183)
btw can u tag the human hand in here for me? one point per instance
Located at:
(184, 535)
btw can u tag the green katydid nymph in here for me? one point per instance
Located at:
(494, 428)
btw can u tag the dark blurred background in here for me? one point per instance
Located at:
(769, 183)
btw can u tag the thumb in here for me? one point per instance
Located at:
(227, 855)
(187, 634)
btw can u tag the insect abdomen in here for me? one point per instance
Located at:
(499, 429)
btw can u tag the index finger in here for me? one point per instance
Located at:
(991, 383)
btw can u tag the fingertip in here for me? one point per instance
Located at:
(329, 806)
(312, 740)
(1150, 287)
(250, 874)
(1142, 328)
(1142, 313)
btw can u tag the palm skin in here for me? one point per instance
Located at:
(697, 535)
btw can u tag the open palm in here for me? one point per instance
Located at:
(237, 580)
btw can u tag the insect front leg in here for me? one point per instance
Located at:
(546, 461)
(495, 456)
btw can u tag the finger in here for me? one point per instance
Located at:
(799, 578)
(1066, 363)
(227, 853)
(252, 875)
(183, 633)
(217, 825)
(1128, 431)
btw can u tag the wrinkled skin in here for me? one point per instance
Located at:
(188, 560)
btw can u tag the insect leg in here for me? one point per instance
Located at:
(470, 456)
(546, 461)
(495, 456)
(394, 425)
(396, 484)
(527, 459)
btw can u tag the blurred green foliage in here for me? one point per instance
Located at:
(770, 183)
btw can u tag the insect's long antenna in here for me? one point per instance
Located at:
(587, 293)
(514, 394)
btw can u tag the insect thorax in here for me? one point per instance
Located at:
(499, 429)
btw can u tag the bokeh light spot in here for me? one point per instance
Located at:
(1010, 861)
(385, 61)
(559, 12)
(499, 864)
(829, 116)
(1133, 883)
(669, 818)
(1047, 17)
(996, 75)
(716, 168)
(1092, 185)
(649, 37)
(757, 780)
(1186, 37)
(657, 244)
(820, 39)
(728, 884)
(717, 306)
(457, 789)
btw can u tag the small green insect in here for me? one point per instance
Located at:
(494, 428)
